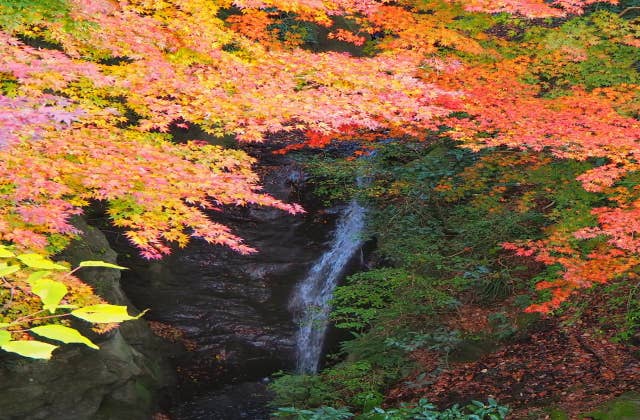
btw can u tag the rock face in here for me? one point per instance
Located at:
(234, 307)
(117, 382)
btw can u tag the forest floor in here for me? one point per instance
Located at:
(569, 364)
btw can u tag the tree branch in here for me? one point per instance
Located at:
(628, 9)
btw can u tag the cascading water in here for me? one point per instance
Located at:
(310, 301)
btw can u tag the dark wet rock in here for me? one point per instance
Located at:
(233, 402)
(234, 307)
(117, 382)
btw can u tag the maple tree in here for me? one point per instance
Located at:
(578, 124)
(241, 92)
(513, 96)
(83, 118)
(532, 8)
(89, 89)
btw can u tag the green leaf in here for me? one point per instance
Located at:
(40, 262)
(101, 264)
(51, 292)
(5, 253)
(5, 270)
(5, 337)
(30, 348)
(104, 313)
(4, 324)
(63, 334)
(33, 277)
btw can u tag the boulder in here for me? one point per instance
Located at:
(119, 381)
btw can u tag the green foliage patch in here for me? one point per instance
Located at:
(16, 14)
(592, 49)
(440, 215)
(366, 296)
(423, 410)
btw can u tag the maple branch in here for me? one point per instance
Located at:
(26, 317)
(549, 205)
(628, 9)
(40, 318)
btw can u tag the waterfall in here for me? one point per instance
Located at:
(310, 301)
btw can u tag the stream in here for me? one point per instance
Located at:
(310, 302)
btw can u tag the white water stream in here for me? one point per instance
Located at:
(310, 301)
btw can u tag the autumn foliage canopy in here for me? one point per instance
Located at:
(90, 91)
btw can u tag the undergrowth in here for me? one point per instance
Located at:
(439, 215)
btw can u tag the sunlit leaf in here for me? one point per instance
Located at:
(33, 277)
(5, 337)
(63, 334)
(30, 348)
(101, 264)
(38, 261)
(5, 253)
(50, 292)
(9, 269)
(104, 313)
